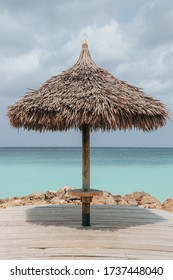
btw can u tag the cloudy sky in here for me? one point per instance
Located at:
(131, 39)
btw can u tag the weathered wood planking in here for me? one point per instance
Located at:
(55, 232)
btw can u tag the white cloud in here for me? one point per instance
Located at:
(20, 65)
(108, 42)
(131, 40)
(15, 71)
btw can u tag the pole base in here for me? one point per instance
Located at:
(86, 211)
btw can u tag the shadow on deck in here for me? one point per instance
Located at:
(103, 217)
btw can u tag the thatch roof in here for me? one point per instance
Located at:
(87, 94)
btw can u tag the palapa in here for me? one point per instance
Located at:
(87, 97)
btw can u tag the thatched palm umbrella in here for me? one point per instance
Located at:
(88, 98)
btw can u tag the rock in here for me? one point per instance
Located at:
(63, 192)
(106, 198)
(168, 204)
(64, 195)
(143, 199)
(73, 200)
(120, 200)
(38, 196)
(135, 197)
(117, 197)
(49, 195)
(132, 202)
(151, 202)
(34, 199)
(2, 201)
(57, 200)
(15, 202)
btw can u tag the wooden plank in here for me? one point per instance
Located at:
(81, 193)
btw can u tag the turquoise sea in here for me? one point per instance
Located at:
(117, 170)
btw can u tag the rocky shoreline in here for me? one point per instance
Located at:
(141, 199)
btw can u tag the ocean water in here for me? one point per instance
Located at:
(117, 170)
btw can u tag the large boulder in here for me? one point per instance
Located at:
(143, 199)
(168, 204)
(135, 197)
(151, 202)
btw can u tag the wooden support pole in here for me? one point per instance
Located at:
(85, 158)
(86, 211)
(86, 174)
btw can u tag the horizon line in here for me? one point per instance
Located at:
(159, 147)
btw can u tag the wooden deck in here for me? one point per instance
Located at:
(55, 232)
